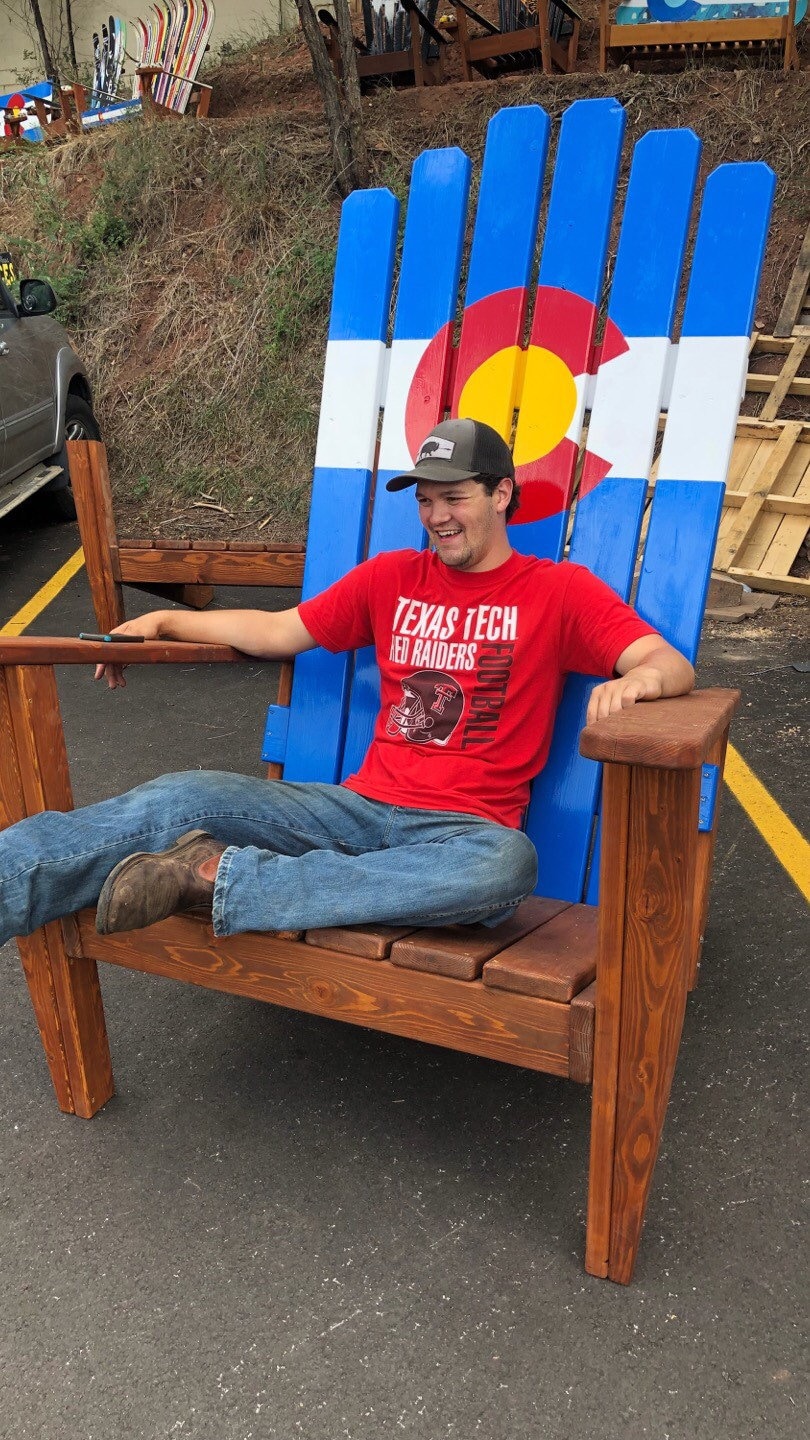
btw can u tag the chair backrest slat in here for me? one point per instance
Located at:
(564, 321)
(426, 305)
(708, 383)
(621, 437)
(347, 435)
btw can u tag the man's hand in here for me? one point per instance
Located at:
(146, 625)
(648, 669)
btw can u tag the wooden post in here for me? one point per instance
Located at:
(642, 978)
(64, 988)
(89, 477)
(545, 37)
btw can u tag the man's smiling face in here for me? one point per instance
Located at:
(466, 525)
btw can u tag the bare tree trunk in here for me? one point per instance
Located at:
(51, 72)
(351, 94)
(71, 38)
(343, 118)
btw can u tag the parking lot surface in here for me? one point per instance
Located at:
(284, 1226)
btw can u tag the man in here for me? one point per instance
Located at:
(473, 642)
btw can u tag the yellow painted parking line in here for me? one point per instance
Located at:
(786, 841)
(43, 597)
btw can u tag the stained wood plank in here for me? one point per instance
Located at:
(211, 567)
(91, 491)
(556, 961)
(42, 650)
(613, 883)
(462, 950)
(655, 970)
(65, 992)
(673, 734)
(372, 941)
(458, 1014)
(583, 1022)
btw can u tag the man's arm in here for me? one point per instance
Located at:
(648, 669)
(267, 634)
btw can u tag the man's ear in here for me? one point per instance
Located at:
(503, 494)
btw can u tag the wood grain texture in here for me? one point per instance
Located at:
(38, 650)
(555, 961)
(34, 951)
(673, 734)
(372, 941)
(457, 1014)
(90, 481)
(658, 927)
(193, 565)
(462, 950)
(613, 881)
(583, 1023)
(65, 993)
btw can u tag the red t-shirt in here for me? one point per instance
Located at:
(471, 670)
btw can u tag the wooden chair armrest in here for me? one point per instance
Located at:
(43, 650)
(664, 734)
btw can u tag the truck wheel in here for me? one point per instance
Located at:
(80, 424)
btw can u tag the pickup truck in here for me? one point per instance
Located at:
(45, 395)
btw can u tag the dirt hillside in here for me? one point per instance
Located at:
(194, 259)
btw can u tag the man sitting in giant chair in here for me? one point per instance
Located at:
(473, 641)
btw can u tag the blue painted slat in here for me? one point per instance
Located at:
(678, 557)
(729, 250)
(581, 202)
(360, 309)
(722, 293)
(428, 290)
(573, 259)
(608, 519)
(508, 202)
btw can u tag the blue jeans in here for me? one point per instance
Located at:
(298, 856)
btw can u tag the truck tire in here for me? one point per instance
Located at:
(80, 424)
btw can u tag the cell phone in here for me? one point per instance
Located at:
(114, 639)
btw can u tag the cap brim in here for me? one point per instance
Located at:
(439, 471)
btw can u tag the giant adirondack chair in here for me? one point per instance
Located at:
(628, 910)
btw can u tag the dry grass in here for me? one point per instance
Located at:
(195, 263)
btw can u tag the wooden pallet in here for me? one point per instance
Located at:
(766, 514)
(795, 311)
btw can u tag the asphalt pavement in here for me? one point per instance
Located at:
(282, 1226)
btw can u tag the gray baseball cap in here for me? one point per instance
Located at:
(458, 450)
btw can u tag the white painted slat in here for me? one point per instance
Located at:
(707, 388)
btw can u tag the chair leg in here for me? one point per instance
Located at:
(64, 987)
(648, 872)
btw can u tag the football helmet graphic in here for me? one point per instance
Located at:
(429, 710)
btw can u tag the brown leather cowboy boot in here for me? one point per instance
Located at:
(146, 888)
